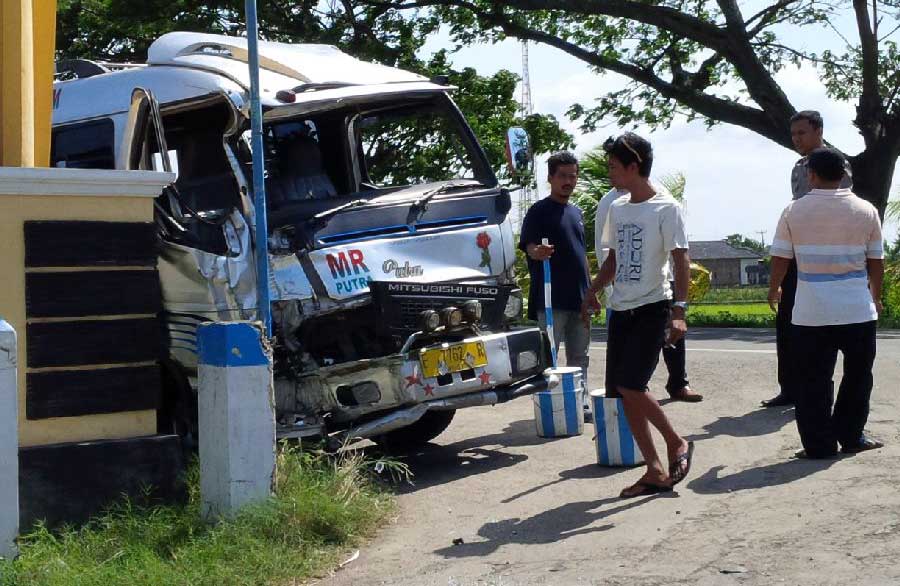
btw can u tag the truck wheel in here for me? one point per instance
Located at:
(408, 438)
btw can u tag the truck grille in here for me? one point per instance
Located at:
(399, 304)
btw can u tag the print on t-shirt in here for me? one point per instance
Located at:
(630, 248)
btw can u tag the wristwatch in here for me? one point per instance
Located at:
(682, 304)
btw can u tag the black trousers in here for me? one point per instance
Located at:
(675, 363)
(815, 351)
(783, 328)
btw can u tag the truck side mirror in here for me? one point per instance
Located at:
(518, 153)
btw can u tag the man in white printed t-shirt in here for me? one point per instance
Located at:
(677, 385)
(642, 231)
(835, 238)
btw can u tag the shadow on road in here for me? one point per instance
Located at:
(753, 423)
(773, 474)
(550, 526)
(436, 464)
(441, 464)
(582, 472)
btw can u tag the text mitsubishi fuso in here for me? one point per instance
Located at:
(390, 246)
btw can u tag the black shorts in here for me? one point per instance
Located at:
(633, 343)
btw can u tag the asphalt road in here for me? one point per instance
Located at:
(530, 511)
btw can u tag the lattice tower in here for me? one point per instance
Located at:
(528, 193)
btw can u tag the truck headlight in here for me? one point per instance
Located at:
(429, 320)
(451, 316)
(513, 309)
(527, 360)
(472, 310)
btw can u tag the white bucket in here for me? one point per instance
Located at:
(614, 441)
(558, 411)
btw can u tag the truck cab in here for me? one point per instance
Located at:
(390, 246)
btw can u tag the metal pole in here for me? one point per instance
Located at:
(259, 186)
(548, 306)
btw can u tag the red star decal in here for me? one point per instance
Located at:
(485, 377)
(413, 379)
(429, 390)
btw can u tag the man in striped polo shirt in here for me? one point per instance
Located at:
(835, 237)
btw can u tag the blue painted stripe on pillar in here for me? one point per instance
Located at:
(626, 439)
(230, 344)
(572, 412)
(600, 424)
(546, 400)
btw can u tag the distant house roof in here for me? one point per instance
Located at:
(716, 249)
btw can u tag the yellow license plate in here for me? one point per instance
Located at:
(455, 358)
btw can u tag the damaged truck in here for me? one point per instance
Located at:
(390, 245)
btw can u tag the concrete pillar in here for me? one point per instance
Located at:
(16, 84)
(44, 31)
(236, 417)
(9, 443)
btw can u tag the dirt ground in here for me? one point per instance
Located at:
(533, 511)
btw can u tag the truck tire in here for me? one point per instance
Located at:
(408, 438)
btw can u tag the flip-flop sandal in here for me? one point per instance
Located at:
(645, 489)
(675, 471)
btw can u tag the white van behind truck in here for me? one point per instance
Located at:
(390, 244)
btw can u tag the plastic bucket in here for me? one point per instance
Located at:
(614, 441)
(558, 411)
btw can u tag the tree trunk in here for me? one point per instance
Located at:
(873, 171)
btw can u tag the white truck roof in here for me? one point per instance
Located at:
(184, 65)
(303, 62)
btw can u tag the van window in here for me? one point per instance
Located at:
(86, 145)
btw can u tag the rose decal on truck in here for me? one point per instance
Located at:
(483, 240)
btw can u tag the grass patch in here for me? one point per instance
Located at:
(734, 315)
(755, 293)
(323, 505)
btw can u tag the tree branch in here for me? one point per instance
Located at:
(764, 14)
(710, 106)
(731, 42)
(670, 19)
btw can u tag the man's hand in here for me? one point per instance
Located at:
(677, 330)
(589, 307)
(540, 251)
(774, 298)
(879, 307)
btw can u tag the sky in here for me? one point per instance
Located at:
(737, 181)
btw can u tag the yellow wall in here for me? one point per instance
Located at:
(27, 41)
(14, 211)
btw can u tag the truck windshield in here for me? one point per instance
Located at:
(411, 145)
(366, 151)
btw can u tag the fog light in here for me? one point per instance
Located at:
(527, 360)
(451, 316)
(513, 307)
(429, 320)
(472, 310)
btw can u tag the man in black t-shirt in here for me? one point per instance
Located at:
(562, 224)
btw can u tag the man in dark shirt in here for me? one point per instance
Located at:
(806, 133)
(562, 224)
